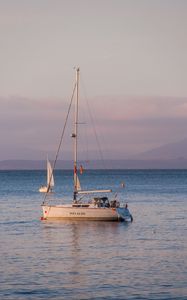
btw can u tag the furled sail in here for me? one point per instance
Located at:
(77, 181)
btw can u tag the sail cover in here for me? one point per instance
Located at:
(78, 182)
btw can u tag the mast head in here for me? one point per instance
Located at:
(77, 69)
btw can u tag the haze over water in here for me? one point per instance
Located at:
(132, 57)
(146, 259)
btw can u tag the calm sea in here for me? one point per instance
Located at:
(146, 259)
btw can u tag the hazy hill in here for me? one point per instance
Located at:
(109, 164)
(169, 156)
(176, 150)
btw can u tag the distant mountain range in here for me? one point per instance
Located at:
(108, 164)
(169, 156)
(170, 151)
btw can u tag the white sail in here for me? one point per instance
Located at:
(78, 182)
(50, 178)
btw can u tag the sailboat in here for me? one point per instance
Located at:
(50, 180)
(94, 208)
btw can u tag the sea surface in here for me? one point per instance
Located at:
(145, 259)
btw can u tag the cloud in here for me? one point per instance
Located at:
(124, 125)
(140, 123)
(128, 107)
(33, 123)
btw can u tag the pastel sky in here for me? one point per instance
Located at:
(133, 60)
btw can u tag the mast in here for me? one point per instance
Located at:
(75, 134)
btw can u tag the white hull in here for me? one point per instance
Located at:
(69, 212)
(43, 189)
